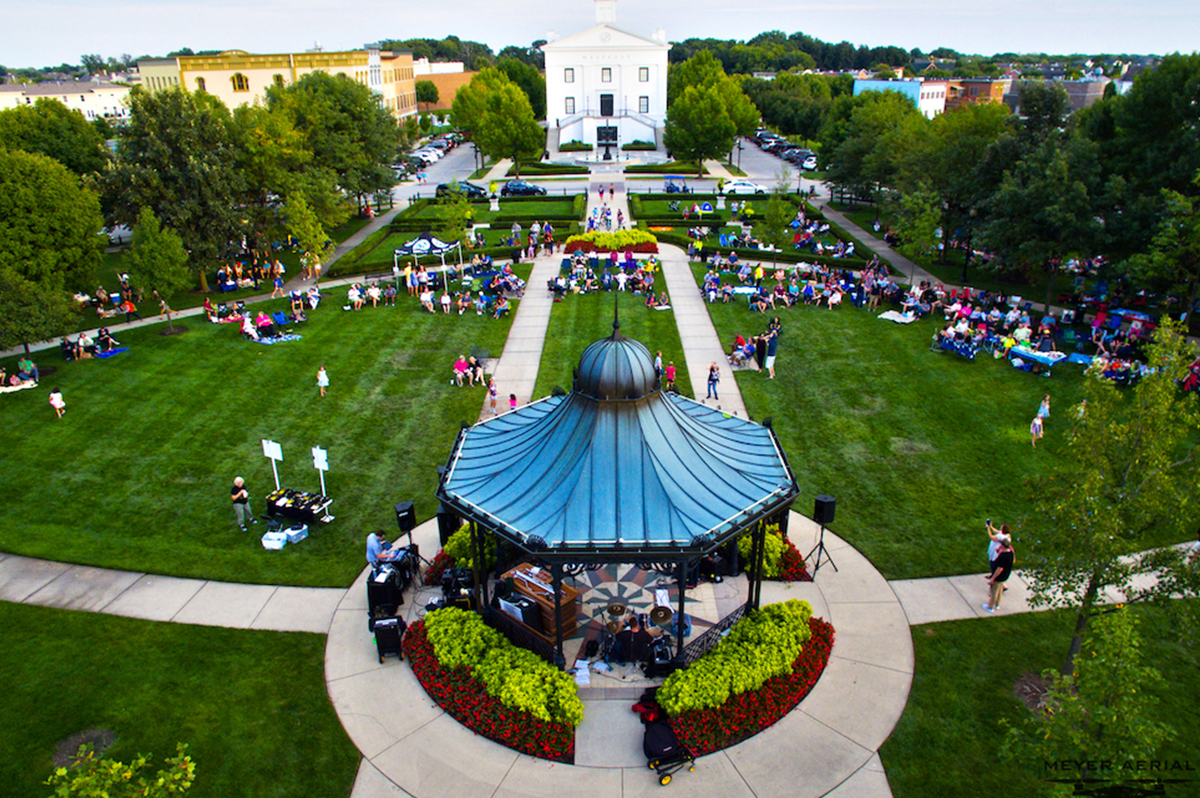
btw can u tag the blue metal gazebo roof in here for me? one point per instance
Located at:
(617, 465)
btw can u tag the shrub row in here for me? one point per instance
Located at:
(639, 146)
(781, 559)
(669, 168)
(518, 678)
(742, 716)
(461, 694)
(681, 240)
(620, 240)
(761, 646)
(575, 146)
(547, 169)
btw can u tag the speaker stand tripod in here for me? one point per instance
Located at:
(821, 552)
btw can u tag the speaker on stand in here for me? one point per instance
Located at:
(823, 512)
(406, 519)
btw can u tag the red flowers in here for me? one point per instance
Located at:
(433, 575)
(466, 700)
(746, 714)
(791, 565)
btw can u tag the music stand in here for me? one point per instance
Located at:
(821, 551)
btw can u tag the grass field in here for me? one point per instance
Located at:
(580, 320)
(946, 741)
(136, 475)
(918, 448)
(252, 706)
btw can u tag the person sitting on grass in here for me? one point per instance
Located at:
(248, 329)
(355, 295)
(427, 300)
(105, 340)
(264, 323)
(446, 302)
(501, 307)
(475, 371)
(744, 274)
(374, 294)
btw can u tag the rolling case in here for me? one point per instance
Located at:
(389, 636)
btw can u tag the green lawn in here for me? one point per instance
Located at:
(946, 741)
(918, 448)
(579, 320)
(137, 474)
(252, 706)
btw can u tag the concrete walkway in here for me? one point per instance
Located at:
(717, 171)
(24, 580)
(827, 746)
(498, 172)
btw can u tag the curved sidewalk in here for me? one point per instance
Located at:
(827, 746)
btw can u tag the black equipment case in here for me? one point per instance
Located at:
(389, 637)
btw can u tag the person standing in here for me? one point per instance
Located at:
(658, 366)
(1035, 429)
(714, 376)
(1044, 408)
(241, 503)
(512, 402)
(57, 402)
(994, 538)
(1000, 574)
(491, 386)
(670, 375)
(322, 379)
(772, 341)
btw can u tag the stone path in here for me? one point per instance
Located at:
(166, 598)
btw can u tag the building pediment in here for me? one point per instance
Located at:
(604, 37)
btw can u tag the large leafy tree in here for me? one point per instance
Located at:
(345, 127)
(157, 259)
(52, 129)
(852, 140)
(497, 114)
(1172, 262)
(178, 157)
(50, 242)
(427, 92)
(1047, 208)
(531, 81)
(1127, 482)
(698, 126)
(702, 71)
(772, 228)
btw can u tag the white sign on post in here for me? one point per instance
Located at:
(321, 463)
(274, 451)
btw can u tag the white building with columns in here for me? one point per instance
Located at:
(606, 85)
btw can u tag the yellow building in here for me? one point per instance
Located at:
(967, 91)
(241, 78)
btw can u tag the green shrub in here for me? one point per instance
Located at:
(617, 240)
(515, 677)
(575, 146)
(761, 646)
(579, 206)
(669, 168)
(460, 548)
(773, 553)
(639, 145)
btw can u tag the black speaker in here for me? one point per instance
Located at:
(823, 511)
(449, 522)
(406, 516)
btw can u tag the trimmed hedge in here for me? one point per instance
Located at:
(547, 169)
(745, 253)
(669, 168)
(761, 646)
(575, 146)
(637, 146)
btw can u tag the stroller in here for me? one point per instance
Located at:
(664, 754)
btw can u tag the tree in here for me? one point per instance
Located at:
(1128, 478)
(427, 92)
(30, 311)
(702, 71)
(1047, 208)
(456, 216)
(92, 63)
(344, 125)
(698, 126)
(306, 227)
(157, 259)
(851, 148)
(1099, 714)
(772, 229)
(531, 81)
(52, 129)
(499, 117)
(1173, 260)
(178, 157)
(918, 222)
(99, 776)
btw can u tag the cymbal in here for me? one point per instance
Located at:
(613, 626)
(616, 609)
(661, 615)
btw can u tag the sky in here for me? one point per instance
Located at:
(52, 32)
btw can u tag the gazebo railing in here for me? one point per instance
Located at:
(518, 635)
(705, 642)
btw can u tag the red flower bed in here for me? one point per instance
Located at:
(433, 574)
(792, 567)
(589, 246)
(461, 695)
(745, 715)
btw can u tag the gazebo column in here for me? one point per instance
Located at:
(759, 553)
(556, 571)
(679, 613)
(479, 572)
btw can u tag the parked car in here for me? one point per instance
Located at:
(470, 189)
(744, 187)
(810, 163)
(426, 156)
(519, 188)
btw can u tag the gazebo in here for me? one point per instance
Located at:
(619, 471)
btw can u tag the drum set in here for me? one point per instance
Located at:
(613, 623)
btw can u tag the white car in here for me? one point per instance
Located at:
(810, 163)
(427, 156)
(744, 187)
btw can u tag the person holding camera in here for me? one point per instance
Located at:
(241, 503)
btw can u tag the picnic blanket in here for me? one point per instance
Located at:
(1082, 359)
(15, 388)
(662, 307)
(899, 318)
(277, 339)
(111, 352)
